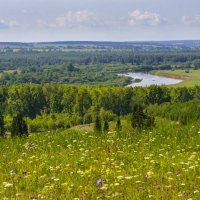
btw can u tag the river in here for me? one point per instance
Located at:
(149, 79)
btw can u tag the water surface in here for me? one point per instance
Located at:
(149, 79)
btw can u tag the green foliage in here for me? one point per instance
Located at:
(181, 95)
(140, 119)
(54, 121)
(81, 104)
(2, 126)
(156, 94)
(19, 126)
(196, 64)
(106, 126)
(70, 67)
(118, 125)
(97, 124)
(185, 113)
(87, 119)
(90, 64)
(107, 115)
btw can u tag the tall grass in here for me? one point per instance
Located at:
(162, 163)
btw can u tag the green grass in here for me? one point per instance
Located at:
(159, 164)
(189, 79)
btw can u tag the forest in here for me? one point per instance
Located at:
(91, 63)
(54, 106)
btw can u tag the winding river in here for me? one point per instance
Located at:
(149, 79)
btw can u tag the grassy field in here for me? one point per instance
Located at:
(162, 163)
(189, 79)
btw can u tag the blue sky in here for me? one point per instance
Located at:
(102, 20)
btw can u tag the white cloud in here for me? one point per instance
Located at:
(75, 19)
(88, 19)
(191, 20)
(4, 24)
(138, 18)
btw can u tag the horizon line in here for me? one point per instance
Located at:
(112, 41)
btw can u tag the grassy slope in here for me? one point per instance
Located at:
(189, 79)
(159, 164)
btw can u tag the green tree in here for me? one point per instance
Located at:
(70, 67)
(83, 102)
(118, 125)
(196, 64)
(140, 119)
(2, 126)
(106, 126)
(181, 95)
(97, 124)
(19, 126)
(157, 94)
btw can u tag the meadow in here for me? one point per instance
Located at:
(159, 163)
(190, 77)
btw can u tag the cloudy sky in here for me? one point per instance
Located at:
(107, 20)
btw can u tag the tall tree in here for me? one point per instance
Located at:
(97, 124)
(19, 126)
(2, 126)
(140, 119)
(118, 125)
(106, 126)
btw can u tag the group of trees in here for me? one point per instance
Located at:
(67, 106)
(19, 126)
(187, 112)
(90, 67)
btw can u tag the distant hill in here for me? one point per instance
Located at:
(136, 45)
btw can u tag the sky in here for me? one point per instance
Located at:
(99, 20)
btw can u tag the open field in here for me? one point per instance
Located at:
(162, 163)
(189, 79)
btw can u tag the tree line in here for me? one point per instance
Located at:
(82, 104)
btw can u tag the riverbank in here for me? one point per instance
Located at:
(190, 78)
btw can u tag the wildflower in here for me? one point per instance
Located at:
(150, 173)
(19, 194)
(33, 197)
(99, 182)
(145, 178)
(128, 177)
(11, 171)
(191, 157)
(138, 181)
(7, 185)
(20, 161)
(105, 187)
(120, 177)
(150, 196)
(169, 186)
